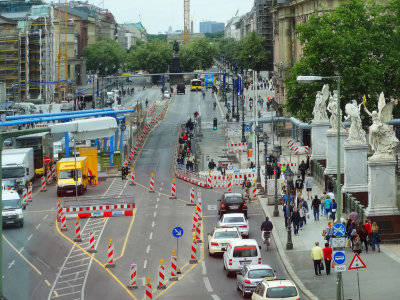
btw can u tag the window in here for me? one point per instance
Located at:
(281, 292)
(234, 199)
(261, 273)
(247, 251)
(226, 235)
(233, 220)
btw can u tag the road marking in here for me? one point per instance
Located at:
(144, 266)
(23, 257)
(160, 189)
(29, 237)
(39, 211)
(148, 249)
(215, 297)
(11, 264)
(151, 235)
(207, 284)
(162, 183)
(156, 206)
(155, 214)
(127, 234)
(105, 219)
(55, 293)
(47, 282)
(152, 224)
(203, 266)
(37, 226)
(158, 199)
(22, 249)
(45, 217)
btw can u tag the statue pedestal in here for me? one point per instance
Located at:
(382, 188)
(355, 172)
(318, 140)
(331, 152)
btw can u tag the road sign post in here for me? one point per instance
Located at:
(177, 232)
(357, 263)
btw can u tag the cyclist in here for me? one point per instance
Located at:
(147, 102)
(266, 228)
(204, 94)
(215, 105)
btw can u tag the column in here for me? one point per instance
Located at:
(331, 152)
(318, 140)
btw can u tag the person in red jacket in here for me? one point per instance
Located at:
(328, 258)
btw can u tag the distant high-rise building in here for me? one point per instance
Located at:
(211, 27)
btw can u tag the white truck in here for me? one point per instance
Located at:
(17, 167)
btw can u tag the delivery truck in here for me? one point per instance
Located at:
(72, 178)
(18, 167)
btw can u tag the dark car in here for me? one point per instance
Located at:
(232, 202)
(180, 88)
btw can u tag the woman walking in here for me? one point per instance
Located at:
(303, 214)
(328, 258)
(333, 210)
(357, 244)
(375, 237)
(328, 233)
(362, 233)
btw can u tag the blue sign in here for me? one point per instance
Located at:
(339, 230)
(339, 257)
(247, 128)
(177, 232)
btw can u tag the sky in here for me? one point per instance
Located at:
(158, 15)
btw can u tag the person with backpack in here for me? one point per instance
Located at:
(315, 206)
(246, 185)
(327, 204)
(329, 233)
(351, 234)
(299, 185)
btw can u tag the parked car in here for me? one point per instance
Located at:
(237, 220)
(167, 94)
(276, 289)
(219, 238)
(232, 202)
(251, 275)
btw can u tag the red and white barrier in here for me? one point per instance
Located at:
(92, 248)
(173, 189)
(209, 182)
(59, 210)
(109, 210)
(53, 172)
(77, 231)
(30, 192)
(174, 264)
(194, 251)
(237, 147)
(49, 180)
(63, 222)
(161, 276)
(148, 290)
(133, 277)
(195, 219)
(197, 232)
(191, 196)
(44, 188)
(254, 191)
(301, 150)
(229, 185)
(24, 197)
(132, 182)
(151, 190)
(110, 255)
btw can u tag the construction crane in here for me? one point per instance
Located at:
(62, 46)
(237, 13)
(186, 25)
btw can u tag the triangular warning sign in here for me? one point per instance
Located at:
(356, 263)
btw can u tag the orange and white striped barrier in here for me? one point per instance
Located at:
(230, 184)
(209, 182)
(237, 147)
(197, 232)
(59, 210)
(191, 195)
(63, 222)
(24, 197)
(48, 174)
(161, 276)
(254, 191)
(133, 277)
(194, 251)
(151, 183)
(148, 290)
(53, 172)
(77, 231)
(91, 243)
(173, 189)
(174, 264)
(110, 255)
(301, 150)
(44, 188)
(30, 192)
(132, 182)
(195, 219)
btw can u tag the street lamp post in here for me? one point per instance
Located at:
(289, 244)
(309, 79)
(265, 140)
(276, 152)
(258, 131)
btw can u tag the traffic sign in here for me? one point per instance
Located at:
(357, 263)
(46, 159)
(177, 232)
(340, 268)
(339, 257)
(247, 128)
(338, 242)
(339, 230)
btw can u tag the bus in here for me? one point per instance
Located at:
(42, 144)
(195, 85)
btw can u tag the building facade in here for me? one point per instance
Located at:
(211, 27)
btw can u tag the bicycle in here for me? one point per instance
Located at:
(266, 236)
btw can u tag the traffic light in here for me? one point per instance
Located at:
(124, 172)
(215, 124)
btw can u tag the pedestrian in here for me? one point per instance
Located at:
(333, 210)
(287, 213)
(327, 204)
(211, 165)
(299, 184)
(270, 170)
(229, 166)
(323, 203)
(353, 216)
(328, 233)
(352, 233)
(146, 102)
(309, 185)
(295, 219)
(362, 233)
(179, 161)
(317, 255)
(357, 244)
(302, 213)
(375, 237)
(315, 205)
(302, 169)
(328, 258)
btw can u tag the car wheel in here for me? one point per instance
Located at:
(237, 287)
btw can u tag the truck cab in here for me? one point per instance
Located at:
(12, 208)
(70, 178)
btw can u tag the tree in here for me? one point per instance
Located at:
(359, 41)
(228, 48)
(105, 56)
(153, 57)
(198, 54)
(251, 53)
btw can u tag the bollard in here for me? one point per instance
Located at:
(174, 263)
(91, 243)
(133, 278)
(24, 197)
(254, 190)
(30, 192)
(44, 189)
(209, 182)
(191, 198)
(110, 255)
(195, 219)
(63, 222)
(173, 189)
(151, 183)
(53, 172)
(148, 292)
(199, 206)
(161, 276)
(193, 252)
(230, 184)
(59, 210)
(77, 231)
(132, 177)
(198, 232)
(48, 176)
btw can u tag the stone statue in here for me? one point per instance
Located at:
(356, 133)
(319, 110)
(332, 108)
(176, 48)
(380, 136)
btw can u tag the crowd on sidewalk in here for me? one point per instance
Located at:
(185, 157)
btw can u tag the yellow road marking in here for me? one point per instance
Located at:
(97, 261)
(47, 282)
(55, 293)
(37, 192)
(105, 219)
(127, 234)
(23, 257)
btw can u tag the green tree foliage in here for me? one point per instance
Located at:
(105, 56)
(198, 54)
(360, 41)
(251, 53)
(162, 37)
(214, 35)
(153, 56)
(228, 49)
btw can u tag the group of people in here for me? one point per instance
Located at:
(295, 210)
(185, 156)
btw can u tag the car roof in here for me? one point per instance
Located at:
(258, 267)
(234, 215)
(279, 282)
(245, 242)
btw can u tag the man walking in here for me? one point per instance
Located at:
(296, 221)
(299, 185)
(309, 185)
(303, 168)
(317, 255)
(315, 206)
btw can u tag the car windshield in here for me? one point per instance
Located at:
(226, 235)
(245, 251)
(234, 199)
(233, 219)
(281, 292)
(13, 172)
(69, 174)
(261, 273)
(11, 204)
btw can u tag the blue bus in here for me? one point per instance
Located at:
(209, 80)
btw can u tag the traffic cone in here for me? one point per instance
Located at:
(174, 265)
(59, 210)
(133, 277)
(194, 251)
(24, 197)
(161, 276)
(149, 291)
(151, 183)
(44, 188)
(132, 177)
(173, 189)
(191, 203)
(77, 231)
(63, 222)
(30, 192)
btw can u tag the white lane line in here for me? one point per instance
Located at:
(162, 183)
(29, 237)
(148, 249)
(203, 266)
(151, 235)
(158, 199)
(215, 297)
(207, 284)
(155, 214)
(152, 224)
(45, 217)
(22, 249)
(156, 206)
(145, 264)
(160, 189)
(11, 264)
(37, 226)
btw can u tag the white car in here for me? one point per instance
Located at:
(167, 94)
(276, 289)
(237, 220)
(219, 239)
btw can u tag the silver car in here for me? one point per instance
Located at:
(237, 220)
(251, 275)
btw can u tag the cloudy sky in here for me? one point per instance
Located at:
(157, 15)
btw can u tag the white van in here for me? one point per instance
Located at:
(12, 209)
(239, 253)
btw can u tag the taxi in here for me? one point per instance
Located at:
(276, 289)
(220, 237)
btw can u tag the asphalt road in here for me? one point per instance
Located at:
(40, 262)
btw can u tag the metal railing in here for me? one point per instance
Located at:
(318, 173)
(351, 203)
